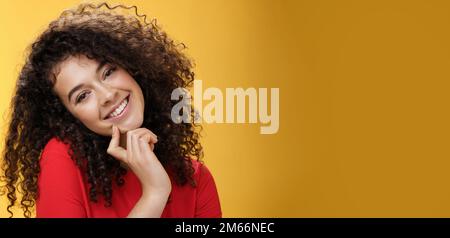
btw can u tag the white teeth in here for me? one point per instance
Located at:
(119, 109)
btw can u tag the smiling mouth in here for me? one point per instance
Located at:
(120, 109)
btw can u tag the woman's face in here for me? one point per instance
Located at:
(99, 94)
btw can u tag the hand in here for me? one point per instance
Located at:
(139, 157)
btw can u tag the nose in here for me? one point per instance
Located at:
(106, 94)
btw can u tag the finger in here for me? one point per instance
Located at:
(152, 135)
(135, 148)
(129, 145)
(147, 131)
(114, 149)
(146, 150)
(114, 137)
(144, 134)
(155, 137)
(146, 144)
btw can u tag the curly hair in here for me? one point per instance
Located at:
(37, 114)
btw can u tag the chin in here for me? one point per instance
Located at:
(130, 126)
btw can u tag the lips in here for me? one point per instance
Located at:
(119, 109)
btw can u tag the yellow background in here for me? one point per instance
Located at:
(364, 117)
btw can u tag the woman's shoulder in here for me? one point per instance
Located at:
(199, 167)
(201, 172)
(56, 151)
(60, 184)
(55, 144)
(207, 198)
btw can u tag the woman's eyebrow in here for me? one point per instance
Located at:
(97, 71)
(100, 66)
(76, 88)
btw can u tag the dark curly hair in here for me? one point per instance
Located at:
(37, 115)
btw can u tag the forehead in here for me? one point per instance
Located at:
(74, 66)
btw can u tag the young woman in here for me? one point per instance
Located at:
(91, 133)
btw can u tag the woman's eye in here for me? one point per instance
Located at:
(81, 97)
(109, 71)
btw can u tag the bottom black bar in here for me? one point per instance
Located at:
(273, 227)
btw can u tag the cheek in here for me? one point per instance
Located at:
(127, 82)
(139, 95)
(88, 115)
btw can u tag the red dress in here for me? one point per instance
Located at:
(63, 191)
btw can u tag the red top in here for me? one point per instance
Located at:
(63, 191)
